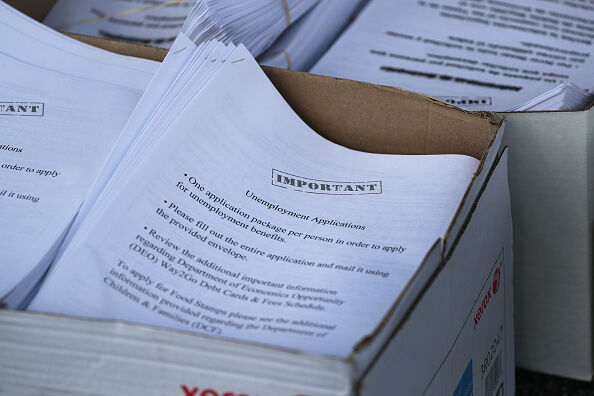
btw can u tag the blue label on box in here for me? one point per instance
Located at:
(464, 387)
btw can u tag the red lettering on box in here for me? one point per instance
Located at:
(188, 392)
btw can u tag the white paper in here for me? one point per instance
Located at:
(230, 217)
(487, 55)
(306, 40)
(253, 23)
(139, 21)
(563, 97)
(63, 107)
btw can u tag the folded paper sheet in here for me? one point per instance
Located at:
(222, 212)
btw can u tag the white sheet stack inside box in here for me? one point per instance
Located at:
(451, 329)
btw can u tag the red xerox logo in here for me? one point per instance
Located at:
(493, 288)
(196, 391)
(496, 279)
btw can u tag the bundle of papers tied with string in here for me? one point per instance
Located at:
(256, 24)
(306, 40)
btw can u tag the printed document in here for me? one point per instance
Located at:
(227, 215)
(479, 55)
(138, 21)
(62, 110)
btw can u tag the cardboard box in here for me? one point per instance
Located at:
(551, 190)
(551, 180)
(450, 331)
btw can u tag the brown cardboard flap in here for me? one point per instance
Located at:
(364, 116)
(379, 119)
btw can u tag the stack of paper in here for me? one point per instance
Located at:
(303, 44)
(564, 97)
(255, 23)
(220, 211)
(63, 107)
(479, 55)
(148, 22)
